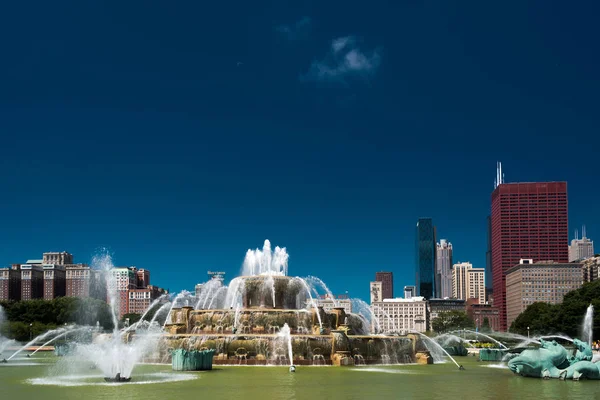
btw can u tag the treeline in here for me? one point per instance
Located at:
(567, 317)
(30, 318)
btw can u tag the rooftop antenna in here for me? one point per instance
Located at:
(576, 234)
(583, 232)
(499, 175)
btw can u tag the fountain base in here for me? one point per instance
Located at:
(117, 378)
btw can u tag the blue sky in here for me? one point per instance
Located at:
(180, 135)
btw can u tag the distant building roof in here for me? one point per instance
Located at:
(544, 264)
(34, 261)
(402, 300)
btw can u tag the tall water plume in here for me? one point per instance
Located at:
(266, 261)
(588, 325)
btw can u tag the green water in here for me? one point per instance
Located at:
(442, 381)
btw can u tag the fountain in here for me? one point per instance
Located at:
(4, 342)
(244, 321)
(588, 325)
(117, 354)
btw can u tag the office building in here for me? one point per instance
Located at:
(10, 283)
(543, 281)
(590, 269)
(387, 284)
(410, 292)
(54, 281)
(580, 249)
(399, 315)
(528, 220)
(468, 282)
(438, 306)
(444, 269)
(425, 258)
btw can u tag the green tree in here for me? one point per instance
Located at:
(133, 318)
(452, 320)
(485, 326)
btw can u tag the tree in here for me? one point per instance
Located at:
(485, 326)
(452, 320)
(133, 318)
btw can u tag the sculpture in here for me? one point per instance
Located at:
(551, 360)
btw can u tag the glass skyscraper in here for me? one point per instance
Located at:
(425, 258)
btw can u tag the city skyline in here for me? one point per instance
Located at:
(178, 148)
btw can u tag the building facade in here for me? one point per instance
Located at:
(57, 258)
(580, 249)
(78, 279)
(121, 281)
(528, 220)
(437, 306)
(425, 258)
(479, 313)
(544, 281)
(590, 269)
(468, 282)
(54, 281)
(32, 281)
(387, 284)
(399, 315)
(10, 283)
(444, 269)
(329, 304)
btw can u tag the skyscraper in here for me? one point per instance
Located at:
(387, 283)
(425, 258)
(468, 282)
(528, 220)
(444, 269)
(580, 249)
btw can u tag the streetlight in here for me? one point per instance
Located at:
(30, 332)
(527, 332)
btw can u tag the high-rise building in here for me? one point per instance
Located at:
(54, 281)
(387, 284)
(425, 258)
(58, 258)
(410, 292)
(444, 269)
(399, 315)
(10, 283)
(528, 220)
(32, 280)
(78, 280)
(544, 281)
(468, 282)
(122, 280)
(580, 249)
(143, 278)
(590, 269)
(376, 289)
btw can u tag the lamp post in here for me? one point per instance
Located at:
(30, 332)
(527, 332)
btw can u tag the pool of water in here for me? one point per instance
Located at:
(44, 379)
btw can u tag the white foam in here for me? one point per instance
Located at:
(500, 366)
(81, 380)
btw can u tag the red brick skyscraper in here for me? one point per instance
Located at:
(528, 220)
(387, 281)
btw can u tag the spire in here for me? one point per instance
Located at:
(583, 232)
(499, 175)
